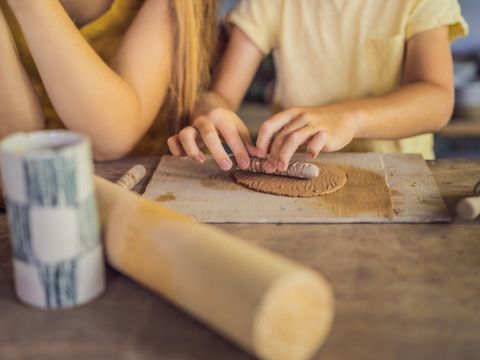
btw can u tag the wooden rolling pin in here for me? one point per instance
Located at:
(271, 306)
(469, 208)
(295, 169)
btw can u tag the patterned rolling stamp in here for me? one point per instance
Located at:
(54, 231)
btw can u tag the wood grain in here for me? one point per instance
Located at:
(402, 291)
(379, 188)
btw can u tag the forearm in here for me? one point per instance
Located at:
(20, 109)
(235, 74)
(413, 109)
(88, 96)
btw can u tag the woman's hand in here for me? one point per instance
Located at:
(328, 129)
(210, 130)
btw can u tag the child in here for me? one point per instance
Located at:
(104, 68)
(370, 75)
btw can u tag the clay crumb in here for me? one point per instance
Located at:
(166, 197)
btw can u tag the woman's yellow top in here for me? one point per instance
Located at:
(104, 35)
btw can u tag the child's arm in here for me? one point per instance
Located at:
(424, 103)
(20, 109)
(214, 117)
(114, 107)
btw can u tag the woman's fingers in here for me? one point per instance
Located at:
(212, 141)
(232, 137)
(247, 141)
(175, 146)
(290, 145)
(271, 126)
(187, 137)
(316, 144)
(209, 130)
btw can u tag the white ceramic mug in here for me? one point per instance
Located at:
(54, 232)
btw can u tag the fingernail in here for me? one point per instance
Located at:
(244, 163)
(310, 156)
(226, 164)
(281, 166)
(258, 153)
(269, 168)
(200, 159)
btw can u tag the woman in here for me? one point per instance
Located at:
(124, 72)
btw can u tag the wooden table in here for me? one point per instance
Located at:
(402, 291)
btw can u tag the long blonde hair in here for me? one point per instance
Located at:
(195, 39)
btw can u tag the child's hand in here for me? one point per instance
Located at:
(328, 129)
(209, 131)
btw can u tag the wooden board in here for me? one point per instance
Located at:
(381, 188)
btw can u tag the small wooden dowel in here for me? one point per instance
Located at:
(469, 208)
(132, 177)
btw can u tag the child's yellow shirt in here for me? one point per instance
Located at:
(328, 51)
(104, 35)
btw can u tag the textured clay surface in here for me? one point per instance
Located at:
(330, 179)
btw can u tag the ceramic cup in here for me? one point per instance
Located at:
(54, 232)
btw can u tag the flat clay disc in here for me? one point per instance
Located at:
(330, 179)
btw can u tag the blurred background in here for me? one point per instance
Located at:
(459, 139)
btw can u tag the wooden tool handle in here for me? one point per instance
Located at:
(270, 305)
(469, 208)
(132, 177)
(295, 169)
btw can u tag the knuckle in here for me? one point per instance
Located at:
(304, 117)
(293, 137)
(183, 133)
(201, 122)
(216, 113)
(187, 130)
(266, 126)
(322, 135)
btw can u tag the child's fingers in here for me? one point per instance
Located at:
(212, 141)
(187, 137)
(290, 129)
(175, 146)
(235, 142)
(272, 126)
(316, 144)
(296, 124)
(290, 145)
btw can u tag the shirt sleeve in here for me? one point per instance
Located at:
(259, 20)
(430, 14)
